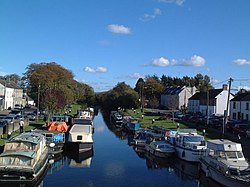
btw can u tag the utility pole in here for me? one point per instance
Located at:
(228, 101)
(38, 102)
(207, 106)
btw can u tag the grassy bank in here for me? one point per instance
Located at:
(146, 119)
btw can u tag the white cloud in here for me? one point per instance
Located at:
(241, 61)
(136, 76)
(162, 62)
(177, 2)
(195, 60)
(119, 29)
(96, 70)
(147, 17)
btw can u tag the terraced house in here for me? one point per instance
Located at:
(240, 107)
(10, 94)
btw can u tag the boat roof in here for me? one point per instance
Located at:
(30, 137)
(223, 145)
(29, 154)
(187, 131)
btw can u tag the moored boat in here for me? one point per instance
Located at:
(80, 135)
(225, 163)
(116, 118)
(160, 148)
(131, 124)
(188, 144)
(24, 158)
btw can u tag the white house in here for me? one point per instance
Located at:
(212, 102)
(10, 94)
(240, 109)
(177, 97)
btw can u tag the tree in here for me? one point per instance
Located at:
(122, 95)
(54, 84)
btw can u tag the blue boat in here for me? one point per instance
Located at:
(131, 124)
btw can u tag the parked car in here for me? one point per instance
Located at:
(31, 116)
(15, 112)
(178, 115)
(231, 123)
(17, 106)
(11, 118)
(241, 129)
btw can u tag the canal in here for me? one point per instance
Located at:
(113, 162)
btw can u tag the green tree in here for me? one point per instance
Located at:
(53, 83)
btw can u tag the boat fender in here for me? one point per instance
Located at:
(183, 153)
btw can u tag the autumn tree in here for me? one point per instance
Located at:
(54, 84)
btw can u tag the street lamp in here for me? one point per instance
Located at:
(38, 102)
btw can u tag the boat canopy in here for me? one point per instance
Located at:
(30, 137)
(223, 145)
(29, 154)
(59, 126)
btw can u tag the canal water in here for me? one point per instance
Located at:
(114, 162)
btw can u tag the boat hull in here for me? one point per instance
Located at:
(189, 155)
(221, 178)
(158, 153)
(22, 174)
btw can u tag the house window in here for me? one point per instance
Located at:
(247, 117)
(234, 105)
(239, 115)
(247, 106)
(234, 115)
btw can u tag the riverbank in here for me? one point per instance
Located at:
(156, 117)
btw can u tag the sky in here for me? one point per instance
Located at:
(105, 42)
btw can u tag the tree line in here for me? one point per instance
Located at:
(56, 88)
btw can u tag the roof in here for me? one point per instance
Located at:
(9, 84)
(173, 90)
(30, 137)
(242, 97)
(203, 95)
(29, 154)
(223, 145)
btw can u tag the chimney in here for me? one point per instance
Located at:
(224, 86)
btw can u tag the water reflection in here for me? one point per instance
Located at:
(186, 170)
(56, 163)
(82, 159)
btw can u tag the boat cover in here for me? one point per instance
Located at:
(57, 126)
(223, 145)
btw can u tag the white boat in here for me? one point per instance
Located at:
(116, 118)
(189, 146)
(81, 134)
(225, 163)
(160, 149)
(24, 158)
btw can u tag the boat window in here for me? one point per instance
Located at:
(231, 154)
(240, 155)
(211, 152)
(15, 160)
(222, 155)
(193, 138)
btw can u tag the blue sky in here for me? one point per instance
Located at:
(111, 41)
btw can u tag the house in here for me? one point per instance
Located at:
(212, 102)
(10, 94)
(177, 97)
(240, 109)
